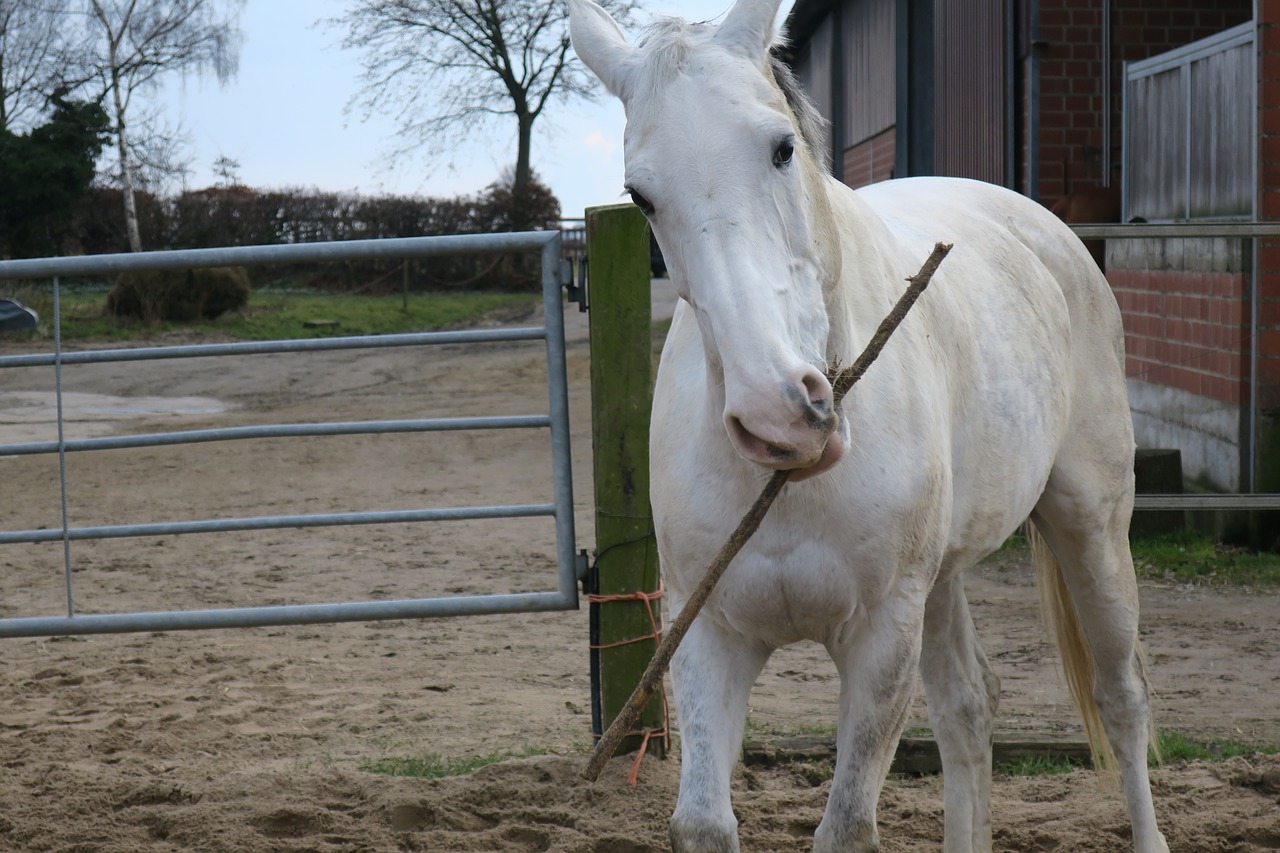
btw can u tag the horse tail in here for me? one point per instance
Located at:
(1063, 624)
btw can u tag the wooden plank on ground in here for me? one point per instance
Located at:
(917, 755)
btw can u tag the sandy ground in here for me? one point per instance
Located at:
(255, 739)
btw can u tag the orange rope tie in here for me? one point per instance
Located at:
(661, 731)
(648, 598)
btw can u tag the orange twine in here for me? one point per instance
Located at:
(661, 731)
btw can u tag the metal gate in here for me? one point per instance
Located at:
(555, 275)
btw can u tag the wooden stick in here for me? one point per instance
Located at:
(841, 381)
(844, 379)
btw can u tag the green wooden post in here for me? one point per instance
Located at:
(621, 394)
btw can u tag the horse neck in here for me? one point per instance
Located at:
(860, 288)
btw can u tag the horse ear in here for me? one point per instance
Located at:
(600, 44)
(748, 29)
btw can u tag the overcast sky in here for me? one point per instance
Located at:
(284, 119)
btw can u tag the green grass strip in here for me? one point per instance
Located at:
(432, 766)
(1185, 556)
(1188, 556)
(289, 315)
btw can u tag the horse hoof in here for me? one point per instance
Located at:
(698, 836)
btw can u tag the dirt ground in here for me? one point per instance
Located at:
(254, 740)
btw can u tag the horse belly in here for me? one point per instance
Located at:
(1003, 332)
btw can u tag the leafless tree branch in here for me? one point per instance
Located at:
(34, 42)
(445, 68)
(129, 45)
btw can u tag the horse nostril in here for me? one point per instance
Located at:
(816, 387)
(820, 417)
(818, 413)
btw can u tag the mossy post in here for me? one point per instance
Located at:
(621, 395)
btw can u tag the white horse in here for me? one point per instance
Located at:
(1001, 397)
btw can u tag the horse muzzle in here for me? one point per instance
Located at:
(798, 431)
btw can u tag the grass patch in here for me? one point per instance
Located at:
(1037, 765)
(431, 766)
(1184, 556)
(1176, 746)
(1188, 556)
(809, 729)
(756, 731)
(277, 315)
(1014, 552)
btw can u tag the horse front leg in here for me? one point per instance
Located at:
(877, 667)
(712, 673)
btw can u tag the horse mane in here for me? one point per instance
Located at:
(810, 123)
(666, 46)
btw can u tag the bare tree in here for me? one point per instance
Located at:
(133, 43)
(33, 57)
(228, 171)
(449, 68)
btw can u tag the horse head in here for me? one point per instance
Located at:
(727, 165)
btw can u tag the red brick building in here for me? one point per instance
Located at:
(1120, 102)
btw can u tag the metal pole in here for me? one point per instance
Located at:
(294, 253)
(466, 336)
(62, 443)
(1106, 93)
(1033, 100)
(285, 614)
(558, 399)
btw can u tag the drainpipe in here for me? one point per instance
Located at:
(1106, 93)
(914, 67)
(1011, 90)
(1253, 273)
(1033, 99)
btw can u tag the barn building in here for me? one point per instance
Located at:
(1105, 111)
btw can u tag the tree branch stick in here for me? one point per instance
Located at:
(841, 381)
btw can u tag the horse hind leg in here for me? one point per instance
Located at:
(1090, 596)
(962, 694)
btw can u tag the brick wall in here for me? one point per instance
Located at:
(870, 161)
(1070, 96)
(1071, 118)
(1186, 330)
(1186, 311)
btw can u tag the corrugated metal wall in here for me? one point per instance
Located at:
(971, 45)
(869, 69)
(971, 56)
(813, 67)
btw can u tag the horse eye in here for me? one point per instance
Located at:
(782, 155)
(646, 207)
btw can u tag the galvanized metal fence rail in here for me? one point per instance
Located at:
(560, 508)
